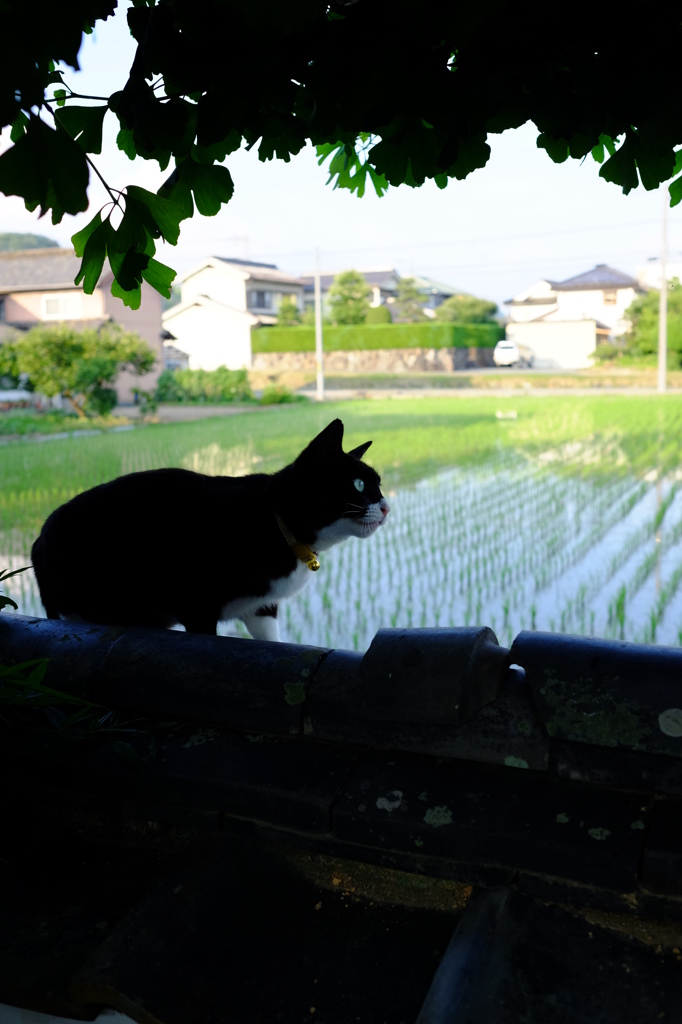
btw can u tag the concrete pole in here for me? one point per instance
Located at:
(663, 302)
(319, 359)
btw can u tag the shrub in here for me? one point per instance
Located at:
(80, 365)
(370, 337)
(466, 309)
(221, 385)
(277, 394)
(378, 315)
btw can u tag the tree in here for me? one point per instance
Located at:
(466, 309)
(642, 313)
(80, 365)
(288, 314)
(11, 241)
(409, 301)
(349, 298)
(386, 100)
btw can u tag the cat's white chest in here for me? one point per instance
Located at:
(287, 586)
(279, 590)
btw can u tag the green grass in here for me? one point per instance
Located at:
(412, 437)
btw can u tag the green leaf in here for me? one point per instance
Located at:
(127, 266)
(84, 125)
(556, 149)
(130, 297)
(60, 96)
(47, 169)
(79, 240)
(621, 168)
(675, 190)
(211, 186)
(159, 276)
(94, 254)
(166, 214)
(124, 141)
(5, 574)
(19, 126)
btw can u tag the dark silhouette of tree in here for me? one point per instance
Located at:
(389, 95)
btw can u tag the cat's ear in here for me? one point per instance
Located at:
(358, 452)
(328, 441)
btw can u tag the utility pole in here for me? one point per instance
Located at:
(319, 359)
(663, 302)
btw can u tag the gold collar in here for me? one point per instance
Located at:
(302, 552)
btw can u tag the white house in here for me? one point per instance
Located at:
(221, 300)
(562, 322)
(649, 275)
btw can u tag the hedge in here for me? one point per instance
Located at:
(369, 337)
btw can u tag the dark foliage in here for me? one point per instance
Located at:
(396, 95)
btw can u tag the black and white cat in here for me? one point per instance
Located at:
(111, 554)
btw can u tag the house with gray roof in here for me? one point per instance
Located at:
(37, 286)
(562, 322)
(382, 280)
(221, 300)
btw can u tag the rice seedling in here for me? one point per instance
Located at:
(568, 516)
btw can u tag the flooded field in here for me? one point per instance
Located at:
(519, 541)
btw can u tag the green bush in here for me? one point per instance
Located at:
(277, 394)
(221, 385)
(378, 315)
(369, 337)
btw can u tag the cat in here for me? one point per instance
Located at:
(169, 546)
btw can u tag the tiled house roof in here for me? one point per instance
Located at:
(262, 271)
(600, 277)
(38, 270)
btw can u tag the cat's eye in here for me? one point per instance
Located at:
(359, 484)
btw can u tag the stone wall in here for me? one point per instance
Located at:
(387, 360)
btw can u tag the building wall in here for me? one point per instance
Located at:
(591, 305)
(224, 284)
(559, 344)
(29, 307)
(649, 275)
(212, 337)
(145, 321)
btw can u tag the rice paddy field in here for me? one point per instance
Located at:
(561, 513)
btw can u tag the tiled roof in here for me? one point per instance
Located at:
(38, 269)
(262, 271)
(427, 284)
(599, 278)
(380, 278)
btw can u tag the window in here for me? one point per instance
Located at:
(610, 298)
(63, 307)
(261, 300)
(3, 315)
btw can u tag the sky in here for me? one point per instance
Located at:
(519, 219)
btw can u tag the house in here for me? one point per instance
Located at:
(435, 292)
(562, 322)
(382, 280)
(221, 300)
(649, 275)
(36, 286)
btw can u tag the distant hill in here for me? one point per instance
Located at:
(11, 242)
